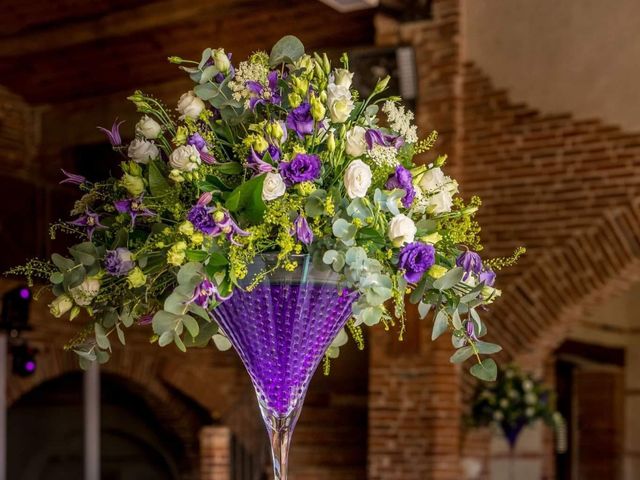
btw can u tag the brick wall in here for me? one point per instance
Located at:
(414, 391)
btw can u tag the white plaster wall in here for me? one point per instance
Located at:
(576, 56)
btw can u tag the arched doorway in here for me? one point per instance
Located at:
(140, 439)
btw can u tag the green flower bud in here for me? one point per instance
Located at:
(134, 185)
(136, 278)
(437, 271)
(331, 142)
(381, 85)
(318, 110)
(176, 60)
(181, 136)
(440, 160)
(300, 85)
(294, 100)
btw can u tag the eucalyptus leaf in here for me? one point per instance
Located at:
(62, 263)
(487, 348)
(455, 320)
(163, 322)
(314, 206)
(461, 355)
(56, 277)
(101, 337)
(423, 309)
(191, 325)
(440, 324)
(222, 343)
(208, 73)
(487, 370)
(286, 50)
(449, 279)
(188, 271)
(120, 335)
(166, 338)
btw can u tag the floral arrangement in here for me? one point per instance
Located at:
(274, 154)
(515, 401)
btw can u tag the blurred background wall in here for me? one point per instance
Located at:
(535, 105)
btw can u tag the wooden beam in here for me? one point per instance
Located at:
(118, 24)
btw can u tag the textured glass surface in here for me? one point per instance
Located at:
(283, 326)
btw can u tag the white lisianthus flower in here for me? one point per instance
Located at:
(221, 60)
(141, 151)
(185, 158)
(148, 127)
(401, 230)
(340, 103)
(530, 398)
(190, 105)
(60, 305)
(441, 202)
(342, 77)
(273, 186)
(527, 385)
(357, 179)
(84, 293)
(355, 142)
(432, 180)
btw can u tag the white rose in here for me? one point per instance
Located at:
(432, 180)
(142, 151)
(148, 127)
(84, 293)
(221, 60)
(401, 230)
(441, 202)
(340, 103)
(357, 179)
(60, 305)
(190, 106)
(356, 144)
(185, 158)
(273, 186)
(342, 77)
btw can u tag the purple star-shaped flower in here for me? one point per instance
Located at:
(262, 94)
(470, 263)
(378, 137)
(255, 160)
(214, 222)
(90, 220)
(114, 134)
(205, 292)
(301, 230)
(133, 207)
(72, 178)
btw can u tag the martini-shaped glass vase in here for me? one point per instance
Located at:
(281, 327)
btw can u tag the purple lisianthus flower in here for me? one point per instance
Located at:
(470, 263)
(488, 277)
(134, 208)
(300, 120)
(197, 141)
(90, 220)
(402, 179)
(378, 137)
(118, 262)
(262, 94)
(302, 168)
(415, 259)
(200, 217)
(114, 134)
(301, 230)
(72, 178)
(205, 292)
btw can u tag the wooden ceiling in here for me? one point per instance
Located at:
(55, 51)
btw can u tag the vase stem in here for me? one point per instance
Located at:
(280, 430)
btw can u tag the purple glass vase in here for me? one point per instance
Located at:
(281, 324)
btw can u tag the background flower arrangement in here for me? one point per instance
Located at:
(274, 154)
(515, 401)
